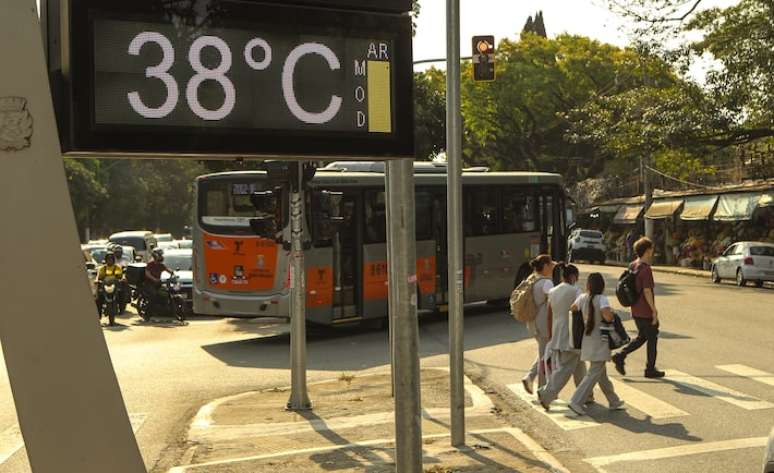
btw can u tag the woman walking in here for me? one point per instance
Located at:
(543, 270)
(594, 349)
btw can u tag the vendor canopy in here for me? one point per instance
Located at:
(628, 214)
(698, 207)
(735, 207)
(663, 208)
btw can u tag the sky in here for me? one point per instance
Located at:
(505, 18)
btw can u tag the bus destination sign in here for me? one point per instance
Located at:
(235, 79)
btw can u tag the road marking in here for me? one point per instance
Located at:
(645, 403)
(748, 372)
(11, 439)
(540, 453)
(560, 412)
(682, 450)
(717, 391)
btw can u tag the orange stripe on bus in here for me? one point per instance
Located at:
(244, 264)
(375, 276)
(319, 286)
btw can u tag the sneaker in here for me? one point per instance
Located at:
(620, 406)
(579, 411)
(618, 359)
(527, 383)
(654, 374)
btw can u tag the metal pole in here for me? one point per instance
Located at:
(299, 399)
(390, 284)
(648, 180)
(454, 223)
(403, 262)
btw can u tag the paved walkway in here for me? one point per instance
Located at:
(351, 429)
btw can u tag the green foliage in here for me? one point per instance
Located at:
(429, 113)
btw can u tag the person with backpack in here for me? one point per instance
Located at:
(643, 307)
(595, 347)
(533, 300)
(564, 355)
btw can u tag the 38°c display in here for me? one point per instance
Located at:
(226, 78)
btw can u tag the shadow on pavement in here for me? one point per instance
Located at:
(355, 348)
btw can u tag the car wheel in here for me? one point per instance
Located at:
(759, 283)
(715, 275)
(740, 280)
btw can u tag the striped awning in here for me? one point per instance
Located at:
(699, 207)
(737, 207)
(663, 208)
(628, 214)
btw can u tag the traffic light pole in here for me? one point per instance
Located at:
(456, 274)
(403, 289)
(299, 398)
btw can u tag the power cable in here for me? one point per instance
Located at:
(676, 179)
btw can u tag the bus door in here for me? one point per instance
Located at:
(375, 289)
(346, 258)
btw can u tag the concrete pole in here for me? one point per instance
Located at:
(299, 398)
(67, 398)
(403, 263)
(454, 224)
(392, 304)
(648, 181)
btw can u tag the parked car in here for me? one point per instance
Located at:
(745, 261)
(185, 244)
(586, 245)
(143, 242)
(768, 458)
(181, 262)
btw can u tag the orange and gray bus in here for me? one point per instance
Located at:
(509, 217)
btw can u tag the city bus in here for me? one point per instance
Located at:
(509, 218)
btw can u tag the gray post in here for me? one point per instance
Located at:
(402, 265)
(648, 181)
(299, 399)
(390, 284)
(454, 223)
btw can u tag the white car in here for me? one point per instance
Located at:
(745, 261)
(586, 245)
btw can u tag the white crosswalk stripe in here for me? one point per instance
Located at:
(645, 403)
(748, 372)
(11, 438)
(717, 391)
(560, 412)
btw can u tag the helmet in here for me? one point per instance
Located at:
(157, 254)
(110, 255)
(118, 250)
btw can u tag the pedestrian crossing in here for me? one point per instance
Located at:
(11, 440)
(650, 405)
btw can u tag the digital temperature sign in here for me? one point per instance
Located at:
(212, 78)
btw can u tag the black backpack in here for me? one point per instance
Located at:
(614, 332)
(626, 289)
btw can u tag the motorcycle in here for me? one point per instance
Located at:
(109, 292)
(169, 302)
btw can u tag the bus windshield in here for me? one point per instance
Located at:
(225, 204)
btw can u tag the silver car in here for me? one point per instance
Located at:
(745, 261)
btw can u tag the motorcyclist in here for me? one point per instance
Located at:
(118, 252)
(108, 270)
(153, 272)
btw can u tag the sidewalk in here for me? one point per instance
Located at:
(351, 429)
(700, 273)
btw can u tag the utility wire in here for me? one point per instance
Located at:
(676, 179)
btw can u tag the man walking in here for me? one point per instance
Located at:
(644, 311)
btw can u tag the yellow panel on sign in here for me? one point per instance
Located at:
(379, 97)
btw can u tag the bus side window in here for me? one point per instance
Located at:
(484, 212)
(424, 216)
(518, 211)
(376, 217)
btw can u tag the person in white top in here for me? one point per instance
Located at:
(560, 351)
(594, 348)
(543, 267)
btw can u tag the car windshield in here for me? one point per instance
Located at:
(762, 251)
(178, 262)
(590, 234)
(137, 243)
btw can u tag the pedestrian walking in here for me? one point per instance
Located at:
(631, 238)
(560, 351)
(595, 349)
(644, 312)
(543, 269)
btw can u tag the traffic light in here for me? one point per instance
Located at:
(267, 222)
(483, 58)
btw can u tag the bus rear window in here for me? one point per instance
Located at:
(227, 203)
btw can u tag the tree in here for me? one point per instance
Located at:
(429, 113)
(536, 26)
(85, 190)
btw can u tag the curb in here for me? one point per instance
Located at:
(697, 273)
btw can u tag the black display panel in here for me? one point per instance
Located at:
(236, 79)
(395, 6)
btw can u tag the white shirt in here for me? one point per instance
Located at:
(593, 348)
(560, 299)
(540, 292)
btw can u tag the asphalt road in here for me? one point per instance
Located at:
(706, 419)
